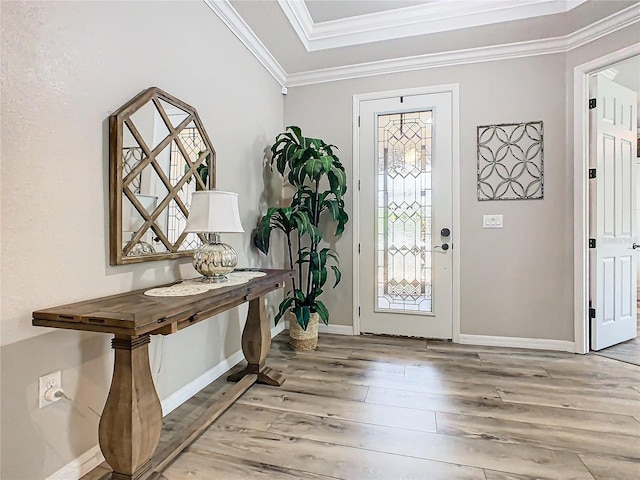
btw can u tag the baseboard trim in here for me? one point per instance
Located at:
(517, 342)
(335, 329)
(278, 328)
(79, 467)
(177, 398)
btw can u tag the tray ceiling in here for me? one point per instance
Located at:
(355, 22)
(325, 11)
(318, 40)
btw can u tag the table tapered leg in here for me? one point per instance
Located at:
(256, 341)
(131, 421)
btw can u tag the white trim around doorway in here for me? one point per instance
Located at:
(455, 192)
(581, 75)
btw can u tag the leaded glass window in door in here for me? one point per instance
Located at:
(403, 212)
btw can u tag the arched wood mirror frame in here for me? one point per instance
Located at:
(159, 153)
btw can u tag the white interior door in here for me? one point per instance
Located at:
(613, 223)
(405, 210)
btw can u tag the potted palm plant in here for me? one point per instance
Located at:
(315, 172)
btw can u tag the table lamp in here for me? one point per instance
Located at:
(132, 221)
(214, 212)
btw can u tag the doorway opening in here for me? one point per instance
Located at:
(582, 227)
(614, 214)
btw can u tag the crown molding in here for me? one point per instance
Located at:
(547, 46)
(610, 73)
(604, 27)
(235, 23)
(410, 21)
(299, 18)
(599, 29)
(431, 60)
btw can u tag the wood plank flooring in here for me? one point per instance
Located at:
(369, 407)
(628, 351)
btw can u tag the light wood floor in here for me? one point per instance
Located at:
(628, 351)
(387, 408)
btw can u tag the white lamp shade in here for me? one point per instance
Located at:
(132, 220)
(214, 211)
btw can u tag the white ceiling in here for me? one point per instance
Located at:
(310, 41)
(353, 22)
(326, 10)
(627, 74)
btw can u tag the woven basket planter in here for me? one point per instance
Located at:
(303, 340)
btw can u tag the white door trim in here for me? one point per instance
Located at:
(581, 75)
(452, 88)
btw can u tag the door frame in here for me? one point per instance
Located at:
(452, 88)
(581, 74)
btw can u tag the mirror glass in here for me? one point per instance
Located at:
(160, 154)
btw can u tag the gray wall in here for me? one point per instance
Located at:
(518, 281)
(514, 281)
(65, 67)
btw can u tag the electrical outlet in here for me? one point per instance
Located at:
(46, 382)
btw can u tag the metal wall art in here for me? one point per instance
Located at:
(510, 161)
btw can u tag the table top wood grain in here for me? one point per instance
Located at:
(134, 313)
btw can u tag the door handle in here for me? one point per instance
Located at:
(635, 246)
(445, 246)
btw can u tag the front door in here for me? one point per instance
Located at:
(613, 223)
(405, 209)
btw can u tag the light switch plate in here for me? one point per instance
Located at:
(492, 221)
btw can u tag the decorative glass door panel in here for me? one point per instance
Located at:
(403, 212)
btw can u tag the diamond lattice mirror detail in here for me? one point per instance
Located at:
(159, 154)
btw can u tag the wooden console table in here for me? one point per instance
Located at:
(131, 421)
